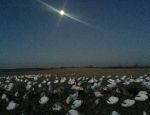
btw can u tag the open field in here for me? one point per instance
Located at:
(84, 72)
(34, 85)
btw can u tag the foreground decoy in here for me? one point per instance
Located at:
(114, 113)
(97, 101)
(141, 97)
(73, 112)
(68, 99)
(76, 104)
(98, 93)
(112, 100)
(43, 100)
(143, 92)
(4, 96)
(12, 105)
(128, 103)
(57, 106)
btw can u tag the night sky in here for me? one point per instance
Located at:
(115, 32)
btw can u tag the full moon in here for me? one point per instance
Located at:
(62, 12)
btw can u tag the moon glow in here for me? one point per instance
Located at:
(62, 12)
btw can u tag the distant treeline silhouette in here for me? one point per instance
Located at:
(63, 67)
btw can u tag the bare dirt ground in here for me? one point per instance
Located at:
(84, 72)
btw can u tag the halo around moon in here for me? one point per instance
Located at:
(61, 12)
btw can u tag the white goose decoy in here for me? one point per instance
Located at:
(141, 97)
(73, 112)
(143, 92)
(68, 99)
(97, 93)
(126, 83)
(147, 78)
(114, 113)
(76, 104)
(71, 81)
(10, 86)
(35, 78)
(101, 79)
(112, 100)
(144, 82)
(29, 82)
(131, 80)
(74, 96)
(144, 113)
(111, 81)
(44, 81)
(57, 106)
(34, 83)
(99, 84)
(123, 78)
(118, 80)
(49, 83)
(128, 103)
(74, 87)
(79, 78)
(148, 85)
(43, 100)
(4, 96)
(63, 79)
(91, 80)
(39, 85)
(50, 88)
(16, 94)
(12, 105)
(28, 87)
(56, 81)
(25, 96)
(97, 101)
(25, 80)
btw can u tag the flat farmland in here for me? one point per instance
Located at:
(84, 72)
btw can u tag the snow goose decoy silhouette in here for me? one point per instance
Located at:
(48, 83)
(39, 85)
(114, 113)
(143, 92)
(63, 79)
(12, 105)
(141, 97)
(4, 96)
(75, 95)
(97, 101)
(43, 100)
(68, 99)
(91, 80)
(128, 103)
(10, 86)
(28, 87)
(56, 81)
(79, 78)
(74, 87)
(16, 94)
(98, 93)
(112, 100)
(43, 82)
(57, 106)
(118, 80)
(73, 112)
(76, 104)
(71, 81)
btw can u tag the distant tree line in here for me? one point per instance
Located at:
(62, 67)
